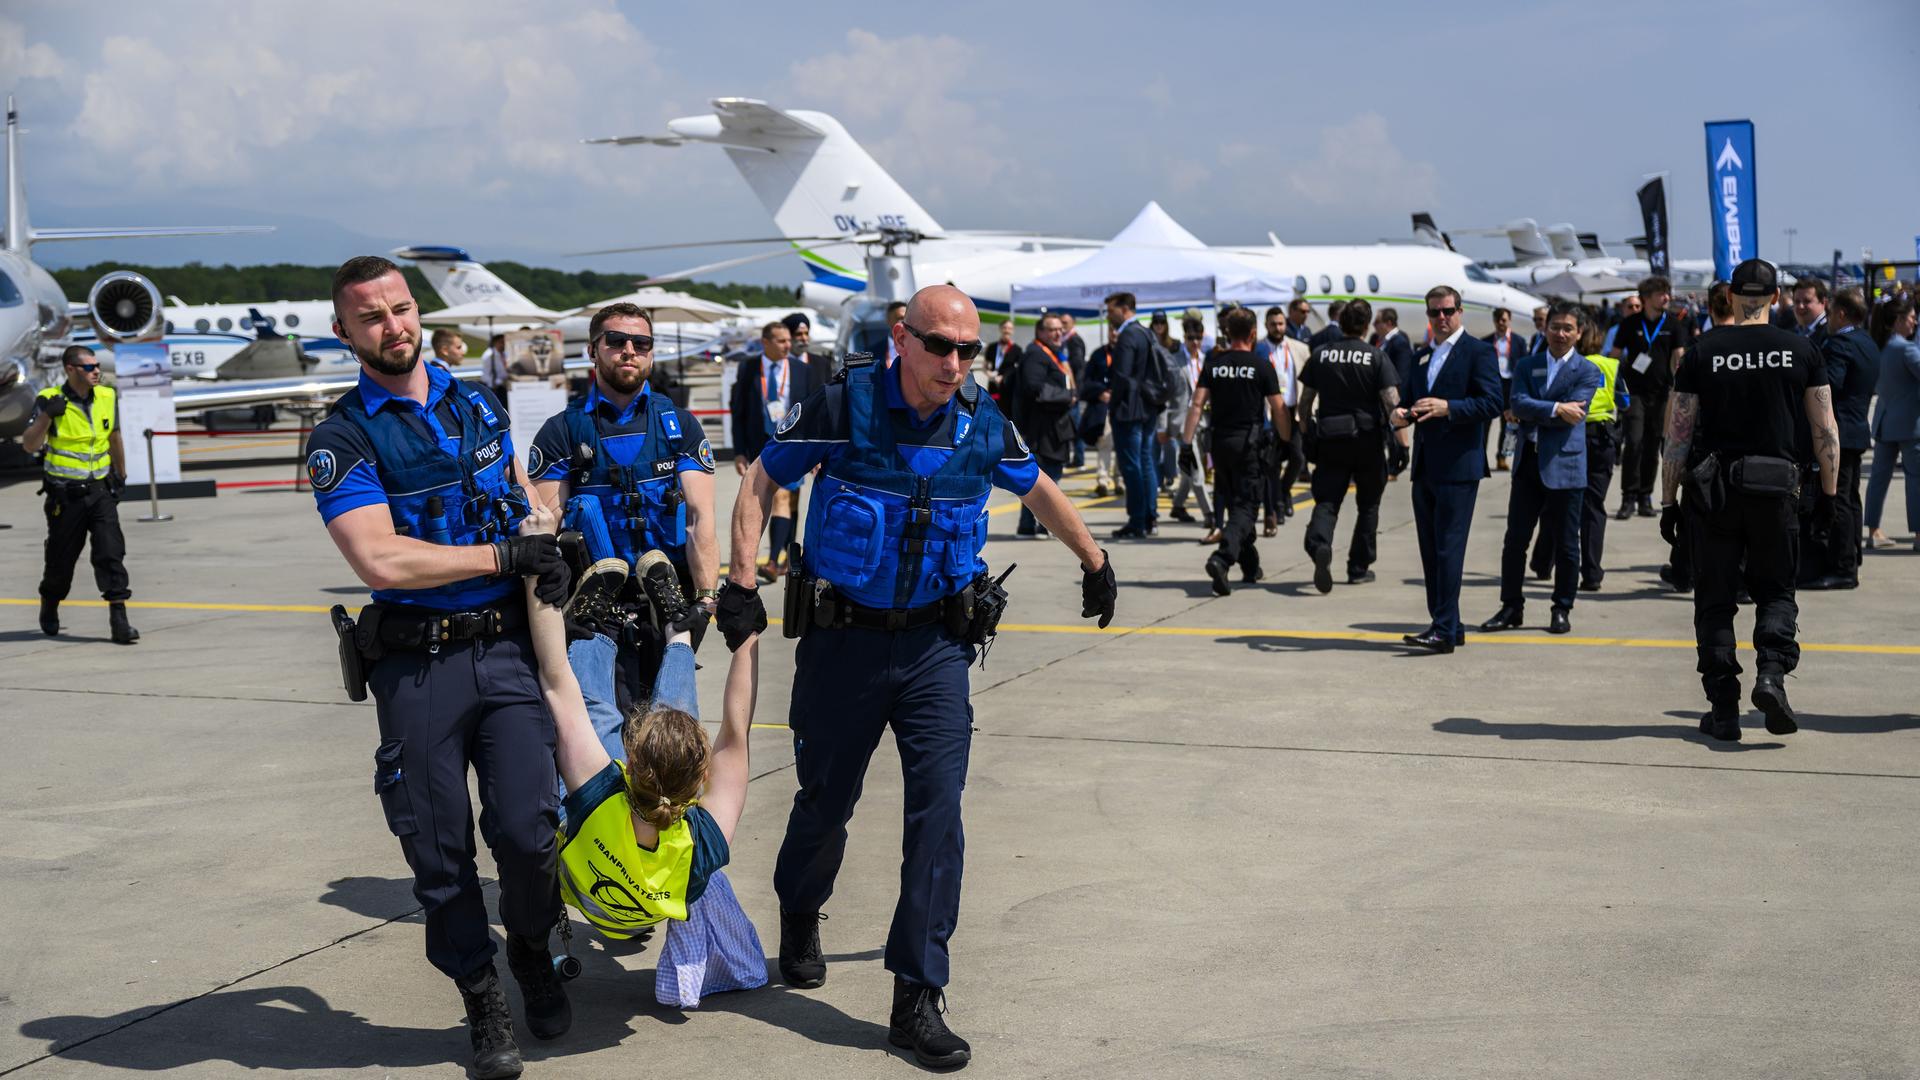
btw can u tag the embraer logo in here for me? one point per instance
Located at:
(1728, 157)
(1730, 199)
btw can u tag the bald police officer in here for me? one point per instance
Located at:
(1730, 440)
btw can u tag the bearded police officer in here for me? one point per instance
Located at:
(415, 477)
(1346, 441)
(1731, 440)
(644, 465)
(1240, 388)
(891, 601)
(86, 469)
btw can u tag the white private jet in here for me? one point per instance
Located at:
(36, 321)
(1561, 261)
(829, 199)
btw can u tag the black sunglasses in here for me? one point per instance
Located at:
(88, 367)
(941, 346)
(618, 339)
(1437, 312)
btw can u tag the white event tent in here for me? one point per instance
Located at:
(1162, 264)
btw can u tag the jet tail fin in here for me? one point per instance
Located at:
(1427, 233)
(1527, 243)
(457, 278)
(1564, 242)
(1590, 244)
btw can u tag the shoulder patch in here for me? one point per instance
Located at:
(1019, 441)
(704, 455)
(323, 470)
(536, 462)
(787, 421)
(962, 424)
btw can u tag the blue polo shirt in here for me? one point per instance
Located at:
(817, 430)
(549, 457)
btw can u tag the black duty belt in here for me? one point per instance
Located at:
(893, 618)
(402, 628)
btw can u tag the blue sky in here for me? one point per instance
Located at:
(360, 124)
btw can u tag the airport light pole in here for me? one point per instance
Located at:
(1791, 233)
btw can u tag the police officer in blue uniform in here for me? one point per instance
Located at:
(892, 601)
(415, 477)
(648, 465)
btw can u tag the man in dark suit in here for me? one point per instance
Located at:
(1392, 340)
(1551, 390)
(1329, 333)
(1455, 392)
(1048, 390)
(765, 387)
(1508, 349)
(1133, 380)
(1853, 369)
(820, 362)
(1075, 349)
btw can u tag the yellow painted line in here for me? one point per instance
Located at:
(1118, 631)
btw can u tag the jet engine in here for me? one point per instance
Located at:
(125, 307)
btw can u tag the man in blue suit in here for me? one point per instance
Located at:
(1551, 390)
(1455, 391)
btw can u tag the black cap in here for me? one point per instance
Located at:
(1755, 277)
(795, 321)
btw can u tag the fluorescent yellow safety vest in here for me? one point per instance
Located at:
(619, 886)
(78, 441)
(1601, 410)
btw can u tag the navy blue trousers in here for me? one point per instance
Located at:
(1442, 515)
(1530, 503)
(848, 686)
(473, 702)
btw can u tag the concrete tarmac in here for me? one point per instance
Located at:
(1248, 836)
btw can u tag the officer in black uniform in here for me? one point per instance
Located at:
(1730, 441)
(415, 477)
(891, 602)
(1241, 390)
(1346, 442)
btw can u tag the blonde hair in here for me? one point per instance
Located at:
(667, 756)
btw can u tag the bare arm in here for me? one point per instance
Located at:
(577, 748)
(384, 559)
(1390, 397)
(703, 547)
(1048, 504)
(117, 449)
(1307, 394)
(1282, 418)
(552, 494)
(728, 770)
(750, 508)
(1826, 436)
(1193, 413)
(1683, 412)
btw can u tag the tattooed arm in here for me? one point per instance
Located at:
(1683, 412)
(1826, 436)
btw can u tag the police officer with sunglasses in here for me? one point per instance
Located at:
(86, 468)
(892, 603)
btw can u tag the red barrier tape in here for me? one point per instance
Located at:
(269, 431)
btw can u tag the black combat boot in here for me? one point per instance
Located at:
(549, 1013)
(801, 965)
(123, 631)
(49, 616)
(1770, 697)
(918, 1026)
(1721, 722)
(489, 1026)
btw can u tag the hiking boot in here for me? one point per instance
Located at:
(549, 1013)
(1217, 572)
(489, 1026)
(123, 631)
(1721, 722)
(1770, 697)
(662, 586)
(801, 965)
(917, 1025)
(592, 604)
(49, 616)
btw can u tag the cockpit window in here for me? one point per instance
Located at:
(9, 292)
(1474, 273)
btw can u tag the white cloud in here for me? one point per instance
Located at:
(366, 94)
(19, 60)
(1359, 169)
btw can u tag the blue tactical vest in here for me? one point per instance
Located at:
(636, 477)
(885, 536)
(463, 499)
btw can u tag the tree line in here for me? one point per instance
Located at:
(197, 283)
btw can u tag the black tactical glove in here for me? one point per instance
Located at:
(1826, 513)
(1098, 591)
(116, 484)
(1396, 459)
(1189, 461)
(536, 556)
(1670, 523)
(54, 405)
(694, 622)
(740, 614)
(1310, 441)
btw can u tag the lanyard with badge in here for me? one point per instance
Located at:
(1645, 360)
(776, 391)
(1065, 371)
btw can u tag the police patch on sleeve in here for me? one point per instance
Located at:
(787, 422)
(536, 462)
(704, 455)
(323, 470)
(1019, 442)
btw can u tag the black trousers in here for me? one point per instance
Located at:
(1843, 534)
(75, 515)
(1281, 489)
(1601, 449)
(1239, 478)
(1362, 462)
(1755, 538)
(478, 703)
(1528, 504)
(1642, 435)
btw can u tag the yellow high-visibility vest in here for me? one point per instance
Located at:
(1601, 410)
(78, 442)
(619, 886)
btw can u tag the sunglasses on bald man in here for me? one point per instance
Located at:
(941, 346)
